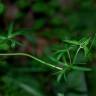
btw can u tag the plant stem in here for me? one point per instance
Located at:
(30, 56)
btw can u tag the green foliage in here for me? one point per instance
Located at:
(63, 62)
(63, 70)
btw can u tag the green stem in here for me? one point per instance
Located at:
(30, 56)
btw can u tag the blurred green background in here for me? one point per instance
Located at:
(45, 23)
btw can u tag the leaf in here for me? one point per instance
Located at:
(53, 59)
(10, 29)
(69, 56)
(82, 40)
(59, 56)
(64, 59)
(21, 32)
(58, 51)
(72, 42)
(81, 68)
(60, 76)
(86, 50)
(85, 42)
(16, 34)
(61, 73)
(13, 44)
